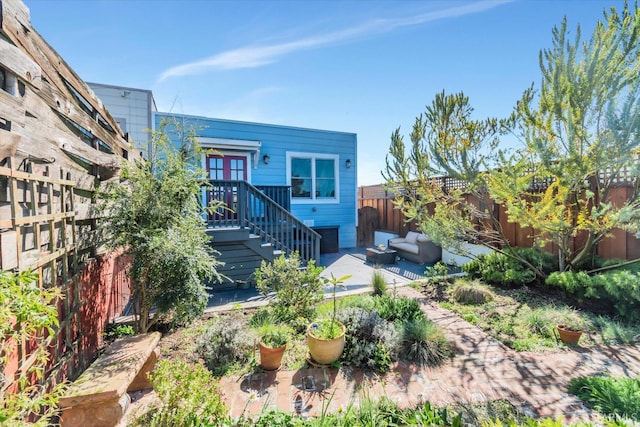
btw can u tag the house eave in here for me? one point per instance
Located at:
(249, 145)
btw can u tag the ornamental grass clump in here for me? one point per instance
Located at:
(424, 343)
(471, 292)
(378, 283)
(618, 396)
(541, 321)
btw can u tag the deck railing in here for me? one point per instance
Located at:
(247, 207)
(281, 194)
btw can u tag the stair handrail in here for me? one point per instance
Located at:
(278, 226)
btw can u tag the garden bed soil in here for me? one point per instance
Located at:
(504, 316)
(535, 296)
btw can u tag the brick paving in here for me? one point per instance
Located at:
(482, 369)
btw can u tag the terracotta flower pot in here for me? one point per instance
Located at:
(271, 358)
(568, 336)
(325, 351)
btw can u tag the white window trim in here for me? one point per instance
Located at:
(230, 153)
(313, 157)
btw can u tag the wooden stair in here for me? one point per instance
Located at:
(241, 252)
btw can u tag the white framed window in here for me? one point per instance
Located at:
(314, 178)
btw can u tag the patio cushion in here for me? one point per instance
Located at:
(412, 237)
(408, 247)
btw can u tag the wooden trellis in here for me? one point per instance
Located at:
(42, 235)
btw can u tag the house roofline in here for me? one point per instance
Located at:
(147, 91)
(271, 125)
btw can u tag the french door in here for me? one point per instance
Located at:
(226, 168)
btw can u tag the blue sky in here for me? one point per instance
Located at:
(357, 66)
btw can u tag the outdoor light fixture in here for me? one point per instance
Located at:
(348, 163)
(266, 159)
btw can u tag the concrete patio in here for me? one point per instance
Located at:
(346, 262)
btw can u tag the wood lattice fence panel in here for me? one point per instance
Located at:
(43, 221)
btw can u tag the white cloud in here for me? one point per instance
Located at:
(257, 56)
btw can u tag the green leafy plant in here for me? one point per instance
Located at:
(498, 268)
(620, 288)
(393, 308)
(572, 282)
(190, 397)
(329, 328)
(609, 395)
(528, 422)
(437, 272)
(155, 215)
(379, 283)
(368, 302)
(424, 343)
(115, 330)
(298, 289)
(471, 292)
(225, 342)
(371, 341)
(370, 412)
(27, 314)
(275, 336)
(326, 329)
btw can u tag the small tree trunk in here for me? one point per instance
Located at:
(561, 261)
(143, 319)
(586, 250)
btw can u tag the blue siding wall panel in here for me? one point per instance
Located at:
(276, 141)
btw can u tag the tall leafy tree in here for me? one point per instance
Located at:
(582, 137)
(155, 215)
(440, 181)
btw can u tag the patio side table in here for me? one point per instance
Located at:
(381, 256)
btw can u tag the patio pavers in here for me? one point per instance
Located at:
(482, 369)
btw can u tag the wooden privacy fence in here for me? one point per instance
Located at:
(376, 212)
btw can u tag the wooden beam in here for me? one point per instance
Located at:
(12, 109)
(10, 172)
(15, 61)
(17, 28)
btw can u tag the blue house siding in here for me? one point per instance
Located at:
(276, 141)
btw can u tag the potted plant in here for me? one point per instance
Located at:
(273, 343)
(570, 328)
(325, 337)
(569, 334)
